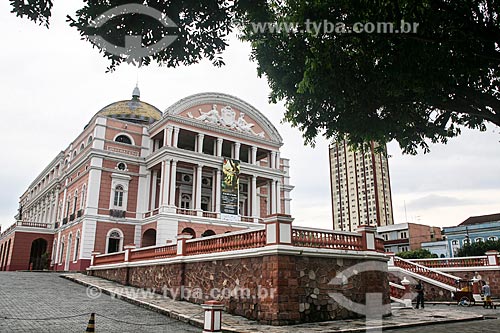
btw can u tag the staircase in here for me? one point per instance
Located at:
(426, 274)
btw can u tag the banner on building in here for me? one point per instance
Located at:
(230, 186)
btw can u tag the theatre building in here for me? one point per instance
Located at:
(209, 164)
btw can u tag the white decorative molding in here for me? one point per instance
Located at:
(226, 118)
(222, 99)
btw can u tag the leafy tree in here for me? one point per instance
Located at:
(417, 254)
(478, 248)
(411, 87)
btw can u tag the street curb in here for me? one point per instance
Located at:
(200, 324)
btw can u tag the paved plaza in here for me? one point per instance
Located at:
(44, 302)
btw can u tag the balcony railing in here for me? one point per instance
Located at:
(79, 213)
(222, 243)
(26, 224)
(242, 240)
(453, 262)
(65, 221)
(72, 217)
(325, 239)
(183, 211)
(122, 151)
(117, 213)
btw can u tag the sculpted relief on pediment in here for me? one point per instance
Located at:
(226, 118)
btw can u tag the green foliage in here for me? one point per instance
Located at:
(417, 254)
(411, 87)
(478, 248)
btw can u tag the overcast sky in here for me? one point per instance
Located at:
(52, 83)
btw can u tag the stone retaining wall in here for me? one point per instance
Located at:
(272, 289)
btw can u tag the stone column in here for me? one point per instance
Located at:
(168, 130)
(162, 173)
(254, 155)
(173, 181)
(237, 147)
(272, 164)
(278, 160)
(199, 148)
(199, 169)
(176, 136)
(278, 197)
(255, 212)
(219, 146)
(218, 184)
(154, 186)
(166, 183)
(273, 196)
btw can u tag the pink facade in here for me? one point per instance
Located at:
(138, 176)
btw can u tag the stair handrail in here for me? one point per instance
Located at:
(430, 270)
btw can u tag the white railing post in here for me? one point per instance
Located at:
(278, 229)
(492, 256)
(213, 317)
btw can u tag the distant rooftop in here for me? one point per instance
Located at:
(481, 219)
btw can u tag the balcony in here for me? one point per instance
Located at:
(72, 217)
(79, 213)
(65, 221)
(117, 213)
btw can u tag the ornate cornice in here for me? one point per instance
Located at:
(225, 99)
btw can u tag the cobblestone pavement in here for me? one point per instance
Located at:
(482, 326)
(31, 298)
(191, 313)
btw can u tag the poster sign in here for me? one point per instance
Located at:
(230, 186)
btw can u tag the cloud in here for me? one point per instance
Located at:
(439, 201)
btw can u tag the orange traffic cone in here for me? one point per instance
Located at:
(91, 324)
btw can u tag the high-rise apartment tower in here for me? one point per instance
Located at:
(361, 187)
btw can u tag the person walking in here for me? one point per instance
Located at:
(420, 294)
(487, 296)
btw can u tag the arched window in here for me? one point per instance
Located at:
(82, 146)
(77, 246)
(186, 201)
(114, 241)
(74, 153)
(189, 231)
(118, 197)
(208, 233)
(493, 238)
(454, 242)
(89, 140)
(123, 139)
(479, 239)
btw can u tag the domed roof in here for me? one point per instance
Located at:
(133, 110)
